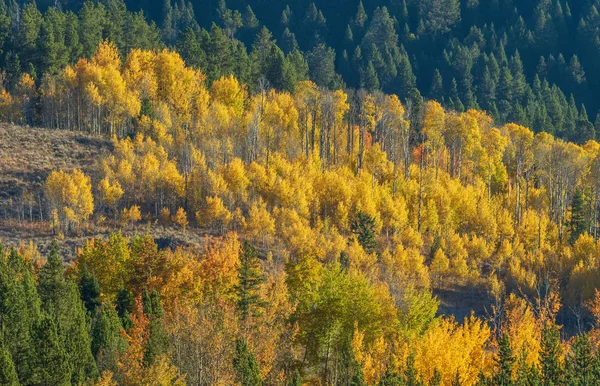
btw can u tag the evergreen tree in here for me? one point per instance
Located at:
(107, 343)
(551, 369)
(278, 71)
(436, 91)
(249, 19)
(321, 64)
(504, 363)
(411, 377)
(577, 224)
(62, 302)
(20, 311)
(157, 340)
(190, 49)
(456, 380)
(584, 129)
(288, 41)
(579, 367)
(247, 372)
(390, 378)
(369, 79)
(51, 363)
(519, 83)
(250, 278)
(8, 373)
(361, 16)
(436, 379)
(89, 290)
(219, 56)
(296, 379)
(363, 226)
(92, 18)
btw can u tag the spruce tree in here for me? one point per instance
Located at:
(390, 378)
(436, 378)
(107, 343)
(363, 226)
(369, 79)
(62, 302)
(577, 223)
(296, 379)
(411, 376)
(579, 367)
(552, 372)
(247, 372)
(8, 372)
(51, 364)
(504, 363)
(20, 312)
(89, 290)
(157, 340)
(436, 91)
(250, 278)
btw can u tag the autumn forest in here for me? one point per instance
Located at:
(247, 223)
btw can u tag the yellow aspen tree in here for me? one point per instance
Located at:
(71, 195)
(180, 218)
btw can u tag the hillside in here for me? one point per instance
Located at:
(209, 204)
(27, 156)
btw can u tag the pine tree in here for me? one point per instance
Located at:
(552, 372)
(247, 372)
(456, 380)
(249, 19)
(321, 64)
(577, 223)
(296, 379)
(390, 378)
(436, 379)
(51, 364)
(369, 79)
(361, 16)
(62, 302)
(288, 41)
(157, 340)
(579, 367)
(89, 290)
(107, 343)
(411, 377)
(504, 363)
(436, 91)
(8, 373)
(275, 69)
(20, 310)
(250, 278)
(363, 226)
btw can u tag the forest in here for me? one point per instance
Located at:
(337, 210)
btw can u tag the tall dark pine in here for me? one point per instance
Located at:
(89, 290)
(504, 363)
(577, 224)
(52, 364)
(62, 303)
(363, 226)
(247, 372)
(552, 372)
(8, 372)
(157, 340)
(250, 278)
(581, 363)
